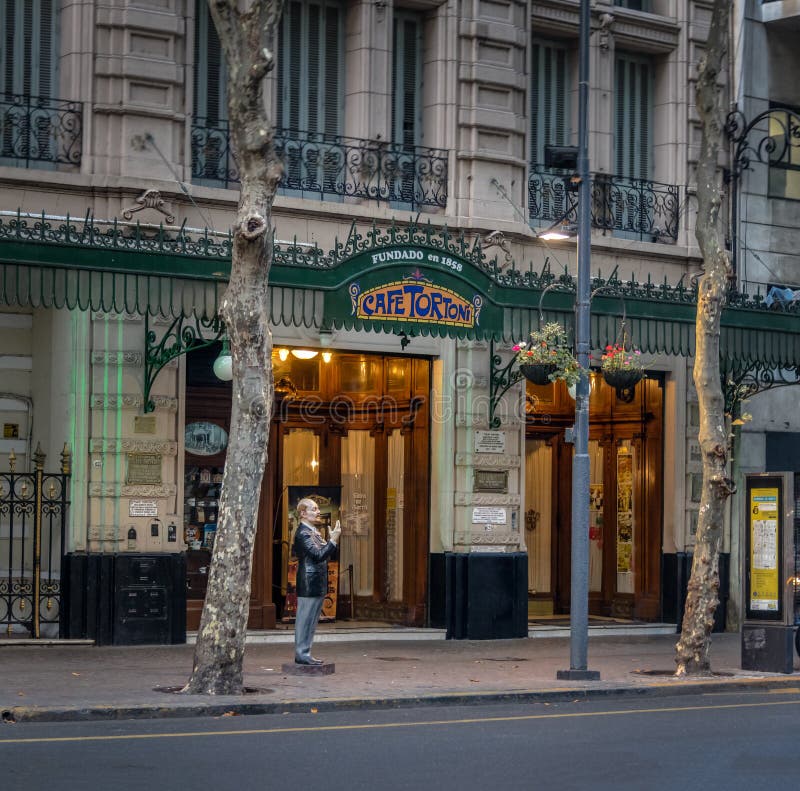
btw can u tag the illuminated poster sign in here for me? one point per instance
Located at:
(764, 550)
(416, 298)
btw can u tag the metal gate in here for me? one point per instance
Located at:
(33, 520)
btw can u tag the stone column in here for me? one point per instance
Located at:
(139, 90)
(492, 127)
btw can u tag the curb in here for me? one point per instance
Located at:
(233, 707)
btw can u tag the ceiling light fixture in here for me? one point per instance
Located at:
(304, 354)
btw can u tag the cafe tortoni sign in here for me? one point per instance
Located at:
(414, 296)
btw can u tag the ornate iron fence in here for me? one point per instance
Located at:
(326, 166)
(36, 129)
(33, 520)
(634, 208)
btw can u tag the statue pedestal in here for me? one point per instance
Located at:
(293, 669)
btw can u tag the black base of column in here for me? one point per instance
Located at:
(578, 675)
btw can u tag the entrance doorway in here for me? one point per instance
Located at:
(625, 506)
(361, 427)
(352, 422)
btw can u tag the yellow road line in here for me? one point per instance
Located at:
(376, 726)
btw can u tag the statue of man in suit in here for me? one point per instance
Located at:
(312, 553)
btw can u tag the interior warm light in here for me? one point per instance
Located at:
(283, 354)
(304, 354)
(326, 357)
(314, 464)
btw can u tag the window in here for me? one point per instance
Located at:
(634, 94)
(550, 88)
(211, 73)
(31, 133)
(28, 48)
(407, 79)
(212, 156)
(310, 68)
(636, 5)
(784, 155)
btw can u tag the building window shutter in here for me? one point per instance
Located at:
(211, 74)
(549, 98)
(28, 50)
(634, 117)
(407, 79)
(310, 68)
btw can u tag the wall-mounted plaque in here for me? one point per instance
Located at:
(144, 424)
(144, 468)
(10, 430)
(488, 515)
(490, 442)
(143, 508)
(491, 481)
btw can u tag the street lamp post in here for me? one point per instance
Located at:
(579, 577)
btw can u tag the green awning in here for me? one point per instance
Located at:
(415, 279)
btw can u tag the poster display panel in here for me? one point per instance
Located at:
(764, 556)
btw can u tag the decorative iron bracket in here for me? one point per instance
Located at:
(180, 337)
(501, 380)
(777, 133)
(740, 384)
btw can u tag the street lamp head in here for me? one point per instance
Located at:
(557, 232)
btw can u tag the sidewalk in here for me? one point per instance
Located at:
(80, 682)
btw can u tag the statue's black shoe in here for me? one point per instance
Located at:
(308, 661)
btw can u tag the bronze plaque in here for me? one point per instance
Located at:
(10, 430)
(144, 424)
(491, 481)
(144, 468)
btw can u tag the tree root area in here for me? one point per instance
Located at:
(245, 691)
(709, 674)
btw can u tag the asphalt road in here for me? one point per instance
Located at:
(720, 741)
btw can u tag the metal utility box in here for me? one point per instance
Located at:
(772, 572)
(125, 599)
(149, 599)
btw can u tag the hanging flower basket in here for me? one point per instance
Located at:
(548, 357)
(621, 379)
(622, 369)
(538, 373)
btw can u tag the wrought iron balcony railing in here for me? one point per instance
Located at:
(36, 130)
(330, 166)
(633, 208)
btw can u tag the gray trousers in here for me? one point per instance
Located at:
(305, 624)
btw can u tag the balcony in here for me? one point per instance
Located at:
(38, 132)
(330, 167)
(628, 208)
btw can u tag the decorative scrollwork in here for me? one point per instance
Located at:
(779, 130)
(741, 384)
(33, 514)
(39, 129)
(320, 165)
(503, 378)
(637, 207)
(181, 336)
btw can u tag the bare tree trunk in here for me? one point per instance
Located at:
(247, 40)
(702, 598)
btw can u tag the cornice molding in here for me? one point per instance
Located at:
(132, 401)
(487, 460)
(476, 498)
(129, 445)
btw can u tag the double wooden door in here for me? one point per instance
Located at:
(625, 507)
